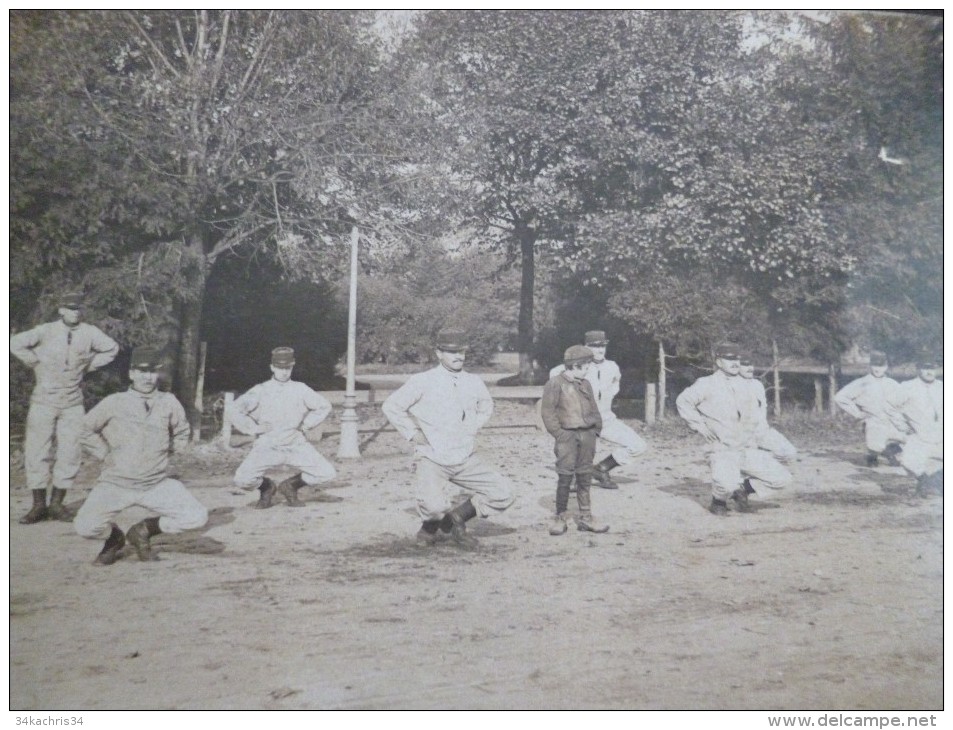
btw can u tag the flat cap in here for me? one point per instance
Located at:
(145, 358)
(597, 338)
(577, 354)
(283, 357)
(72, 300)
(727, 351)
(452, 340)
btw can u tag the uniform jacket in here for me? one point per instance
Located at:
(134, 434)
(448, 408)
(59, 357)
(716, 405)
(868, 397)
(754, 408)
(919, 409)
(605, 378)
(569, 403)
(279, 413)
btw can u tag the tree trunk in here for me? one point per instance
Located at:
(527, 241)
(777, 379)
(662, 382)
(190, 340)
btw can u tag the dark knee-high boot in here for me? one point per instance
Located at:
(267, 491)
(585, 521)
(114, 543)
(601, 473)
(138, 536)
(56, 510)
(38, 512)
(457, 518)
(289, 490)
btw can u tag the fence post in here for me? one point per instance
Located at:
(650, 403)
(227, 421)
(818, 394)
(831, 389)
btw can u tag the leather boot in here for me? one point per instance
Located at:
(740, 496)
(427, 534)
(267, 489)
(289, 490)
(718, 507)
(56, 510)
(458, 518)
(585, 520)
(558, 525)
(138, 536)
(38, 512)
(114, 543)
(871, 459)
(601, 473)
(891, 452)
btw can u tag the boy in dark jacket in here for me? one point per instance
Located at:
(571, 415)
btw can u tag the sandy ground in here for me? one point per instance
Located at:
(827, 596)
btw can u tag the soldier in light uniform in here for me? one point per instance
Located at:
(715, 406)
(440, 412)
(868, 399)
(918, 409)
(278, 413)
(755, 416)
(604, 376)
(59, 353)
(134, 432)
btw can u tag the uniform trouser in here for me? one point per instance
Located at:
(878, 432)
(775, 442)
(178, 510)
(921, 457)
(314, 468)
(730, 466)
(625, 444)
(46, 425)
(490, 490)
(575, 451)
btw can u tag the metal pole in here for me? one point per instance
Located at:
(348, 446)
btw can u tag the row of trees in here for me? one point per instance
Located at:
(680, 175)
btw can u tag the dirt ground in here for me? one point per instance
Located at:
(827, 596)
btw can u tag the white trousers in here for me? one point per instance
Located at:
(314, 468)
(625, 444)
(178, 510)
(489, 489)
(730, 466)
(921, 457)
(878, 432)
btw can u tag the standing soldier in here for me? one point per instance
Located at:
(604, 376)
(440, 412)
(918, 405)
(714, 406)
(134, 433)
(869, 399)
(59, 353)
(277, 413)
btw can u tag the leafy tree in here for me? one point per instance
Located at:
(179, 137)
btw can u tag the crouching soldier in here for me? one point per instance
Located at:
(134, 433)
(277, 413)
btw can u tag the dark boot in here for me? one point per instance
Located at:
(740, 496)
(585, 520)
(56, 510)
(601, 473)
(138, 536)
(427, 534)
(38, 512)
(458, 518)
(289, 490)
(563, 484)
(892, 452)
(267, 489)
(930, 483)
(114, 543)
(871, 458)
(718, 507)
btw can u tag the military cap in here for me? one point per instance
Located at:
(452, 340)
(878, 358)
(926, 362)
(727, 351)
(597, 338)
(145, 358)
(577, 354)
(72, 300)
(745, 359)
(283, 357)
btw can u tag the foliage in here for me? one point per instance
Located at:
(400, 312)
